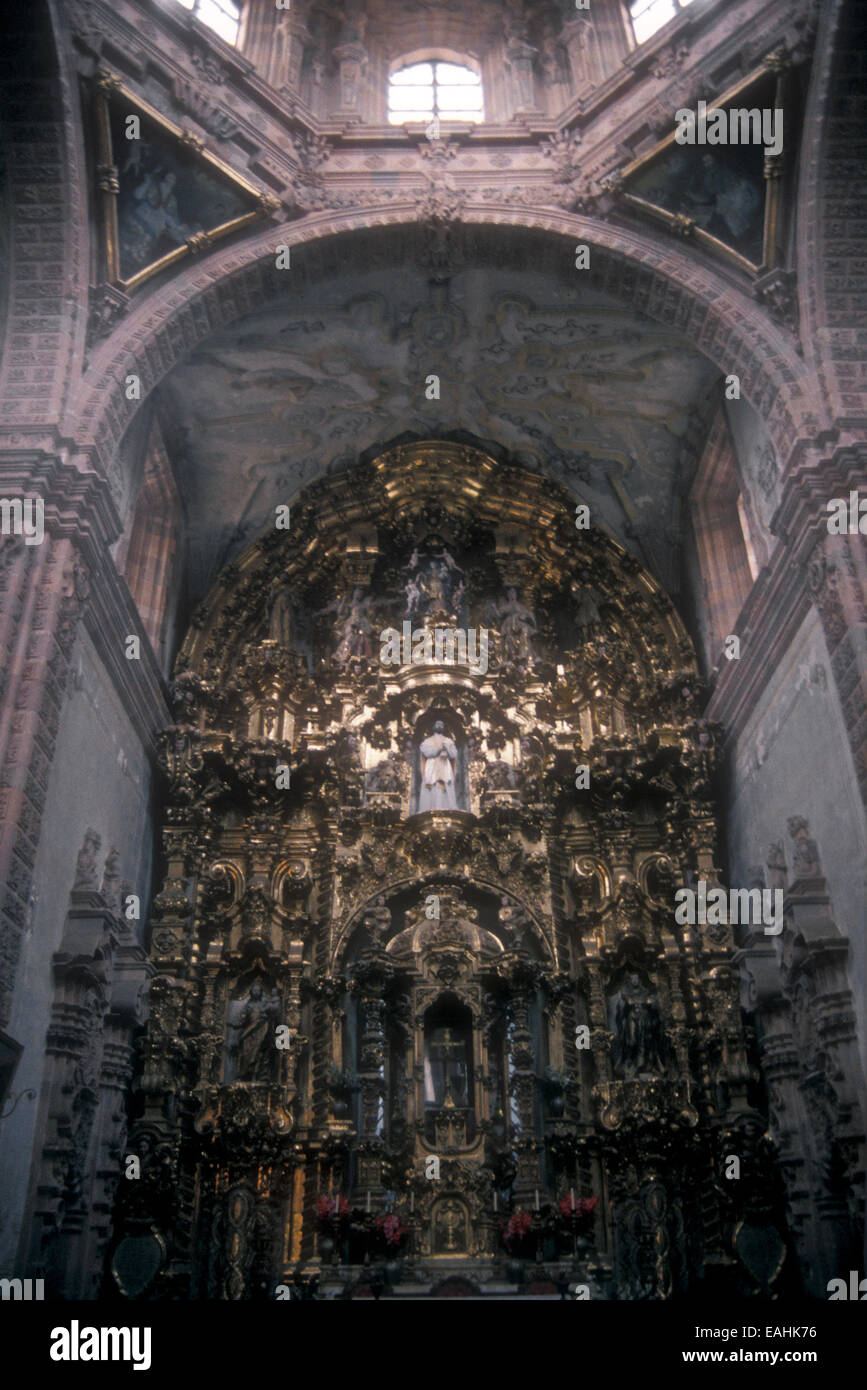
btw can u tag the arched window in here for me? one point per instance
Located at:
(421, 91)
(649, 15)
(223, 16)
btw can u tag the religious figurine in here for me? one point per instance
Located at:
(434, 585)
(777, 872)
(518, 626)
(499, 776)
(254, 1048)
(514, 923)
(377, 920)
(806, 863)
(439, 757)
(85, 865)
(588, 600)
(353, 627)
(280, 617)
(385, 777)
(638, 1043)
(111, 881)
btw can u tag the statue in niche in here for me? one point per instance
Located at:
(532, 769)
(252, 1049)
(434, 586)
(514, 923)
(280, 617)
(377, 921)
(638, 1040)
(805, 863)
(85, 865)
(439, 756)
(499, 776)
(587, 599)
(270, 721)
(518, 627)
(387, 776)
(352, 626)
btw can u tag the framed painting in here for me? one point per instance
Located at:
(725, 196)
(163, 195)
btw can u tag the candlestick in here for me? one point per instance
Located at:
(536, 1195)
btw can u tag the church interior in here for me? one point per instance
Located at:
(433, 854)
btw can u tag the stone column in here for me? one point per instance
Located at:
(42, 592)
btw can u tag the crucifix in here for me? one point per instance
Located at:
(448, 1069)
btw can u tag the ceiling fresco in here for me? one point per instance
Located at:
(566, 380)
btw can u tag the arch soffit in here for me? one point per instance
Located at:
(638, 270)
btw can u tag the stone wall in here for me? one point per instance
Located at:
(99, 778)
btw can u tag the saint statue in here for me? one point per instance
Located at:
(588, 600)
(439, 755)
(638, 1042)
(85, 865)
(280, 617)
(253, 1049)
(352, 626)
(434, 585)
(518, 626)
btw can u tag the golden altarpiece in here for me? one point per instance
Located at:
(439, 1021)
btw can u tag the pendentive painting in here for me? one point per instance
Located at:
(721, 188)
(166, 194)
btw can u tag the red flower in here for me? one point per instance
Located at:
(331, 1208)
(517, 1228)
(584, 1207)
(392, 1228)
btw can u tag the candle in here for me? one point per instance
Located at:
(411, 1203)
(536, 1196)
(368, 1200)
(572, 1197)
(495, 1199)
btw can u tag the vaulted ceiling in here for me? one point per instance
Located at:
(530, 359)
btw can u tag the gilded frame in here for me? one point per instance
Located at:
(772, 252)
(108, 85)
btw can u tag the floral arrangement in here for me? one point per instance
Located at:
(517, 1228)
(391, 1229)
(583, 1208)
(332, 1209)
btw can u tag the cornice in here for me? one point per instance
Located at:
(79, 508)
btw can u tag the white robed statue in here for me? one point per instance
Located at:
(439, 756)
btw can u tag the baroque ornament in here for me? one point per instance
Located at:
(399, 938)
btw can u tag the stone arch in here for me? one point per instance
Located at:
(643, 271)
(353, 920)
